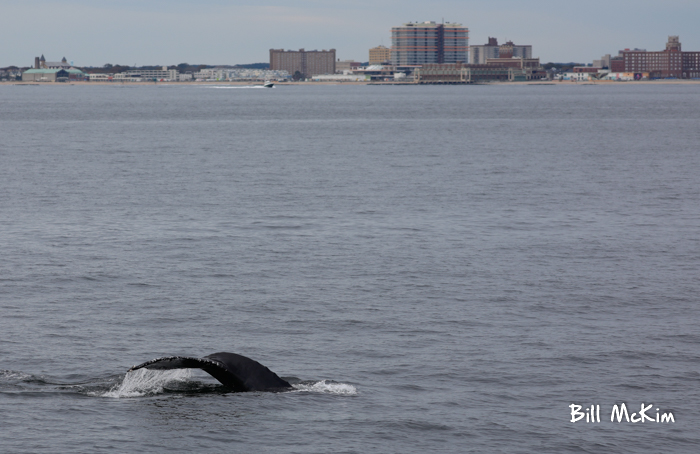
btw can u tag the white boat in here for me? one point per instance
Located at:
(268, 84)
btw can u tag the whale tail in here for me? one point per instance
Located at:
(231, 370)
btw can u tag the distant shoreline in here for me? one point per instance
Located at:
(281, 84)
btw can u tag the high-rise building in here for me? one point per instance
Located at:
(429, 42)
(379, 55)
(479, 53)
(307, 63)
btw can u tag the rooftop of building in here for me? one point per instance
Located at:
(430, 24)
(54, 70)
(302, 50)
(44, 71)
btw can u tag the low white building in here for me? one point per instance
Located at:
(125, 77)
(164, 74)
(210, 74)
(100, 77)
(627, 76)
(578, 77)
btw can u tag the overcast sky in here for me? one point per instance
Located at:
(168, 32)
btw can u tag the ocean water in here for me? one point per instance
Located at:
(435, 269)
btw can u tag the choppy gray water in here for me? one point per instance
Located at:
(437, 269)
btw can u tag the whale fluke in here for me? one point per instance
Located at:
(233, 371)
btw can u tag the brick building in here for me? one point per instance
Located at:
(531, 67)
(670, 62)
(520, 63)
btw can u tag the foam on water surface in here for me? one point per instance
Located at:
(14, 375)
(146, 382)
(326, 387)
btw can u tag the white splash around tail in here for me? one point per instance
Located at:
(327, 387)
(143, 381)
(14, 375)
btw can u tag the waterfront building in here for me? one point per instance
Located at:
(429, 42)
(53, 75)
(100, 77)
(377, 72)
(579, 74)
(530, 66)
(379, 55)
(576, 76)
(668, 63)
(210, 74)
(346, 65)
(164, 74)
(479, 53)
(460, 73)
(45, 75)
(126, 77)
(626, 76)
(519, 63)
(307, 63)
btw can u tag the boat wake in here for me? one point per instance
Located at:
(233, 87)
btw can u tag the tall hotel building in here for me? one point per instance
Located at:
(429, 42)
(308, 63)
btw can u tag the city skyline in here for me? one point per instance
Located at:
(214, 32)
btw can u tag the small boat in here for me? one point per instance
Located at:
(268, 84)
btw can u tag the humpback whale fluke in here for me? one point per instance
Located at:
(233, 371)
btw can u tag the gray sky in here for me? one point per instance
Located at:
(168, 32)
